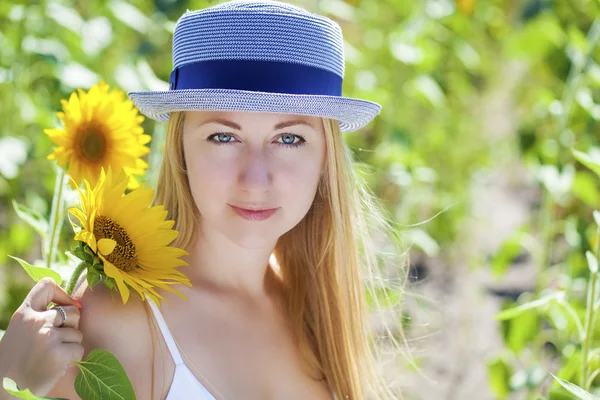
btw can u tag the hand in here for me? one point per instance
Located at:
(35, 351)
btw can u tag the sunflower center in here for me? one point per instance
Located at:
(92, 145)
(124, 255)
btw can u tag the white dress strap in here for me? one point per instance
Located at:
(165, 332)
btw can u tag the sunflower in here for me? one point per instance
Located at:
(129, 237)
(100, 129)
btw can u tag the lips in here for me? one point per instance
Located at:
(254, 215)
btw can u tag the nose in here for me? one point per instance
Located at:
(255, 174)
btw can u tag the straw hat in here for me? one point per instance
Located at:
(258, 55)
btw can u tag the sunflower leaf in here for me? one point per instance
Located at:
(33, 218)
(82, 255)
(88, 250)
(101, 376)
(11, 387)
(37, 273)
(93, 277)
(110, 283)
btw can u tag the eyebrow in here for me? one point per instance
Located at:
(233, 125)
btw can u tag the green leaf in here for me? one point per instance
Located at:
(576, 390)
(570, 367)
(92, 277)
(559, 394)
(37, 273)
(2, 332)
(33, 218)
(591, 160)
(499, 372)
(535, 39)
(592, 262)
(522, 329)
(585, 188)
(101, 376)
(515, 311)
(509, 250)
(11, 387)
(109, 282)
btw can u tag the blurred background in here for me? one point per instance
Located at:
(483, 101)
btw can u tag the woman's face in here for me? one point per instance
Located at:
(254, 161)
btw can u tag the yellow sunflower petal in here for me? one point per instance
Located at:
(77, 213)
(86, 237)
(134, 284)
(106, 246)
(113, 272)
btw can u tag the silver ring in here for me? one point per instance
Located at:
(63, 314)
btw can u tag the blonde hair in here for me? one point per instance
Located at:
(327, 263)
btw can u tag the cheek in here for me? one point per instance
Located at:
(210, 179)
(298, 184)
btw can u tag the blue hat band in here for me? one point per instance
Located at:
(256, 75)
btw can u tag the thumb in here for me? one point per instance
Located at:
(46, 291)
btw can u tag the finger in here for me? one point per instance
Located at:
(75, 350)
(55, 318)
(69, 335)
(46, 291)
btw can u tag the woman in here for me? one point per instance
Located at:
(261, 186)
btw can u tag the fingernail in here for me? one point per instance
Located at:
(77, 303)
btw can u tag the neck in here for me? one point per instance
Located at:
(221, 267)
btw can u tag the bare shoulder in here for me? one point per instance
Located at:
(108, 323)
(121, 329)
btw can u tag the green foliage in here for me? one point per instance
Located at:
(102, 376)
(499, 373)
(37, 273)
(509, 251)
(33, 218)
(523, 308)
(576, 390)
(11, 387)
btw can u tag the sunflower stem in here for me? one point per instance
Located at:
(75, 277)
(55, 217)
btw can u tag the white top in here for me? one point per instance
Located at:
(185, 385)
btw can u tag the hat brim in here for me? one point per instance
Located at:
(352, 114)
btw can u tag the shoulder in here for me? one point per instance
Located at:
(108, 323)
(122, 329)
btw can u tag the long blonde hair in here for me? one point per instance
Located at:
(327, 262)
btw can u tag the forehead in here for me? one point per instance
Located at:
(249, 120)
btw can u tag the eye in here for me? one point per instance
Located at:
(219, 136)
(288, 139)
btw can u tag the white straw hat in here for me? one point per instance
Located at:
(258, 55)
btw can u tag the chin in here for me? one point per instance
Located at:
(250, 235)
(252, 240)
